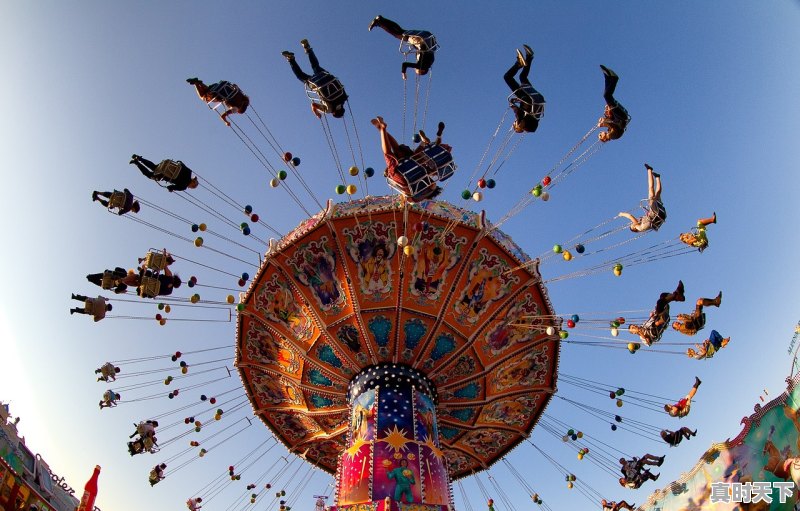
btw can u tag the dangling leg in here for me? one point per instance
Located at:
(710, 220)
(693, 391)
(388, 142)
(708, 302)
(611, 80)
(388, 25)
(527, 60)
(312, 58)
(299, 73)
(508, 77)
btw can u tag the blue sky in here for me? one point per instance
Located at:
(712, 89)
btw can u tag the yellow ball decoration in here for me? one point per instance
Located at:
(408, 250)
(353, 171)
(167, 308)
(351, 189)
(203, 227)
(198, 242)
(567, 256)
(230, 299)
(162, 321)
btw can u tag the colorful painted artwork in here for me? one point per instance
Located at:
(528, 371)
(277, 303)
(517, 326)
(262, 347)
(514, 412)
(276, 391)
(372, 248)
(487, 282)
(314, 266)
(435, 256)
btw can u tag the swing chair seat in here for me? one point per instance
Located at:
(149, 287)
(534, 107)
(422, 170)
(416, 41)
(168, 170)
(118, 199)
(654, 331)
(655, 212)
(325, 87)
(155, 261)
(224, 91)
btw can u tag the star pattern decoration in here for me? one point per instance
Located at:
(352, 451)
(429, 443)
(396, 439)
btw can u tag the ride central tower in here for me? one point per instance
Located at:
(393, 461)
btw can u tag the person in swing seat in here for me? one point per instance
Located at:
(333, 105)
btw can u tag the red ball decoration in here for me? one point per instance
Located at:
(158, 317)
(241, 282)
(481, 183)
(213, 400)
(570, 324)
(546, 180)
(287, 156)
(254, 217)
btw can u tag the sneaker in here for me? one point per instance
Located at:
(94, 198)
(528, 52)
(287, 54)
(697, 381)
(71, 312)
(134, 158)
(374, 22)
(607, 71)
(718, 299)
(655, 477)
(694, 433)
(304, 44)
(192, 81)
(440, 129)
(646, 165)
(520, 59)
(656, 175)
(714, 218)
(660, 461)
(679, 292)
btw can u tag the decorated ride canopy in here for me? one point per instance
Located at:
(427, 286)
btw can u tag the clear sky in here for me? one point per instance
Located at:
(712, 89)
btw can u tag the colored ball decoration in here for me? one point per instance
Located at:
(351, 189)
(563, 334)
(620, 391)
(490, 183)
(369, 172)
(537, 191)
(254, 218)
(545, 196)
(402, 241)
(240, 307)
(618, 269)
(466, 194)
(408, 250)
(202, 227)
(619, 403)
(557, 249)
(274, 182)
(248, 209)
(580, 248)
(184, 370)
(195, 298)
(245, 276)
(575, 318)
(296, 161)
(477, 196)
(353, 170)
(570, 323)
(198, 242)
(203, 397)
(162, 321)
(287, 157)
(241, 282)
(246, 231)
(230, 299)
(481, 183)
(167, 309)
(567, 256)
(550, 330)
(243, 225)
(282, 174)
(613, 427)
(195, 227)
(158, 317)
(546, 180)
(614, 332)
(340, 189)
